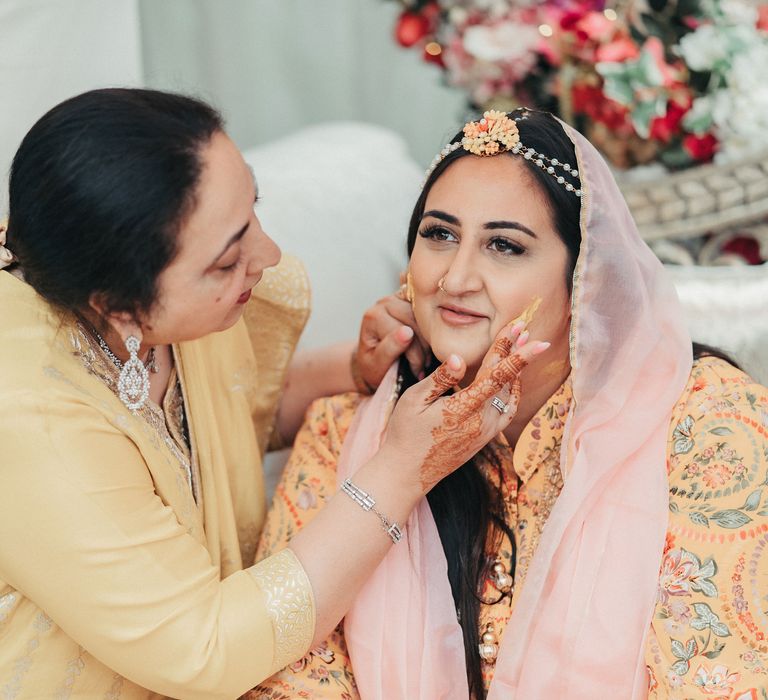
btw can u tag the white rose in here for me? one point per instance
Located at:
(505, 41)
(703, 48)
(739, 12)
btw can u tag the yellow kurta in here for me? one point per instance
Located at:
(707, 635)
(115, 574)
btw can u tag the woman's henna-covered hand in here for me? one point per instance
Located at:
(440, 433)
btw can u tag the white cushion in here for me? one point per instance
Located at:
(339, 196)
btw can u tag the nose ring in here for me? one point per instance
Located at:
(440, 284)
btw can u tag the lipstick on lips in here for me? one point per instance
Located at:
(459, 316)
(245, 296)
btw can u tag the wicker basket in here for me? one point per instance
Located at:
(707, 198)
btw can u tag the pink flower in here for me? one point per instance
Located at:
(306, 499)
(617, 51)
(674, 680)
(718, 681)
(716, 475)
(680, 611)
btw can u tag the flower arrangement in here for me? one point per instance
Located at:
(670, 81)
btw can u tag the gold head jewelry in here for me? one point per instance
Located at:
(497, 132)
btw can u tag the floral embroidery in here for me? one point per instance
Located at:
(717, 681)
(707, 636)
(682, 572)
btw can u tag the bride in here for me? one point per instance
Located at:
(610, 540)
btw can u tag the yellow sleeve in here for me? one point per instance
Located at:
(87, 539)
(308, 481)
(275, 317)
(709, 633)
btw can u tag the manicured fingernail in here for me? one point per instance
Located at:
(523, 339)
(406, 333)
(519, 325)
(454, 362)
(540, 347)
(421, 375)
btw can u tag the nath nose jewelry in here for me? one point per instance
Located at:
(499, 405)
(440, 283)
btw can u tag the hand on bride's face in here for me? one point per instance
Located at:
(435, 434)
(486, 248)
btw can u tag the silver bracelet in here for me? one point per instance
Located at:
(367, 503)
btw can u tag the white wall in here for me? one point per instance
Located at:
(273, 66)
(53, 49)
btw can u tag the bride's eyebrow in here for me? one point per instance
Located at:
(437, 214)
(492, 225)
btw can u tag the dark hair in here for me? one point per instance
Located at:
(466, 510)
(98, 191)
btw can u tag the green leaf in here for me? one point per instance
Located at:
(704, 612)
(683, 446)
(708, 569)
(763, 513)
(681, 667)
(721, 431)
(678, 649)
(730, 519)
(652, 25)
(712, 654)
(674, 507)
(698, 518)
(753, 500)
(706, 587)
(721, 629)
(691, 648)
(699, 624)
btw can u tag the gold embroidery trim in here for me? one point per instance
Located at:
(290, 604)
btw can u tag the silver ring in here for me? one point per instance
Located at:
(499, 405)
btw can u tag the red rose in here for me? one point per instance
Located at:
(411, 28)
(745, 247)
(700, 148)
(664, 128)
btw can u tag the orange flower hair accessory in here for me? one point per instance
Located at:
(489, 135)
(496, 133)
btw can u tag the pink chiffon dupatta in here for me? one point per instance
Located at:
(402, 633)
(581, 617)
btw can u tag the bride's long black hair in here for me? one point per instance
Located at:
(468, 511)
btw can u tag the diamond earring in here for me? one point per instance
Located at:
(133, 383)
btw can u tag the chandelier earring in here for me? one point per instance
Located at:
(133, 383)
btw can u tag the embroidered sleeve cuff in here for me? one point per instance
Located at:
(290, 604)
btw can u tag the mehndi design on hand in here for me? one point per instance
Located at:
(461, 433)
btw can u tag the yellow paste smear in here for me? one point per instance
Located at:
(527, 316)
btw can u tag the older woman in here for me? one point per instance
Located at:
(135, 404)
(611, 542)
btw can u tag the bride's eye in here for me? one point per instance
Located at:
(437, 233)
(506, 246)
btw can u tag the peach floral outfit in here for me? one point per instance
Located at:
(707, 635)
